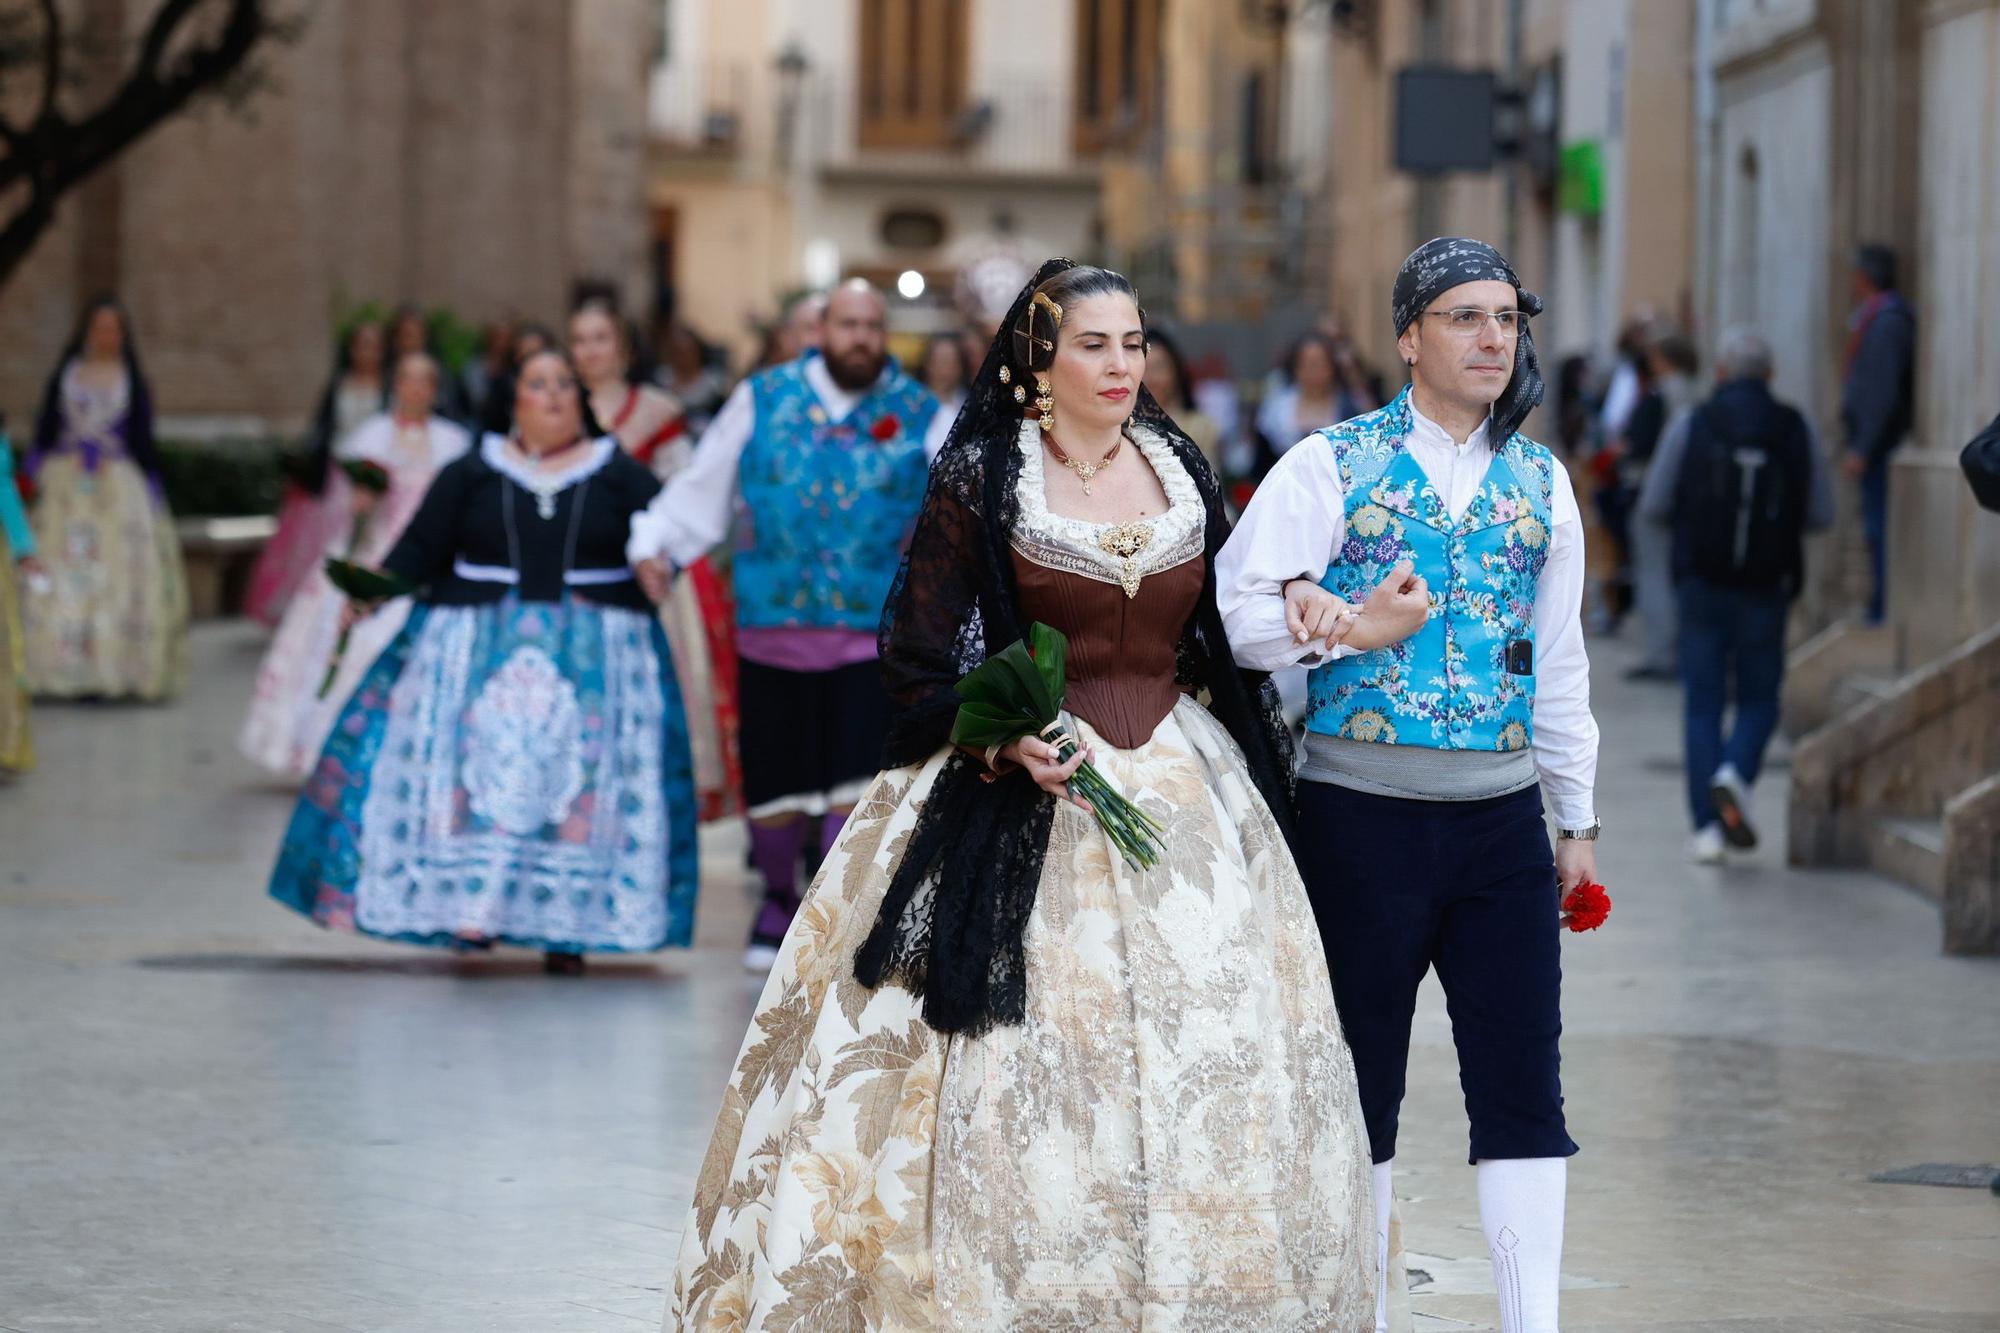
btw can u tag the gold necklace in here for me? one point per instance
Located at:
(1084, 471)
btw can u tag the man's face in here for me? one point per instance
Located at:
(855, 340)
(1459, 358)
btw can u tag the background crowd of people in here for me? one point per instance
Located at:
(93, 603)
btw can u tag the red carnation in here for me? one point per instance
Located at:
(1586, 906)
(885, 429)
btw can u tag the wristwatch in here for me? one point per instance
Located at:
(1581, 834)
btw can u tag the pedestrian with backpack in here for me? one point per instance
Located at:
(1740, 481)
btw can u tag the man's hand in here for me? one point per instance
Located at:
(1398, 608)
(1311, 612)
(1853, 464)
(655, 577)
(1576, 863)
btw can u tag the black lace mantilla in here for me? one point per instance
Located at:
(951, 924)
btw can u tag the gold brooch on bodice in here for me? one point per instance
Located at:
(1124, 542)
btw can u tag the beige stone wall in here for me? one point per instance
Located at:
(424, 152)
(1659, 158)
(1379, 213)
(611, 66)
(1945, 551)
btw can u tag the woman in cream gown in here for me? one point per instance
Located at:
(998, 1079)
(294, 704)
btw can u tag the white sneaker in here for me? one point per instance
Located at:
(760, 958)
(1708, 845)
(1732, 807)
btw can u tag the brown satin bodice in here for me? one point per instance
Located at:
(1122, 651)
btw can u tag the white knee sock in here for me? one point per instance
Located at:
(1521, 1210)
(1385, 1202)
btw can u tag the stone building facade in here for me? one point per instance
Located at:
(797, 142)
(475, 155)
(1828, 123)
(1611, 78)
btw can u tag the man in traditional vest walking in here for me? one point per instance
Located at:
(828, 455)
(1427, 763)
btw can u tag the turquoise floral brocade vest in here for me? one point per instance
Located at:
(1448, 686)
(829, 503)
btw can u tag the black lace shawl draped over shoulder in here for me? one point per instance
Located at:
(951, 924)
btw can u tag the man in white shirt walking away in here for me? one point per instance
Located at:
(1427, 762)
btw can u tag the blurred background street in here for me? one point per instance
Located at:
(219, 1118)
(215, 1116)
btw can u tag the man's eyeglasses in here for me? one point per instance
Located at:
(1471, 320)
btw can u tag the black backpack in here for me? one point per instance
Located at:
(1981, 462)
(1740, 507)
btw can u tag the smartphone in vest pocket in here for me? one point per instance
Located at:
(1521, 657)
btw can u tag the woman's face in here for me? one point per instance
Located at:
(364, 349)
(548, 406)
(527, 346)
(410, 335)
(595, 347)
(1099, 363)
(944, 367)
(499, 341)
(1314, 375)
(104, 336)
(416, 387)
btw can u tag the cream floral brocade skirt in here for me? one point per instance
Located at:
(114, 621)
(1171, 1141)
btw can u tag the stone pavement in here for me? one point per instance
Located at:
(215, 1117)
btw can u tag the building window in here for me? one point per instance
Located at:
(1117, 72)
(913, 59)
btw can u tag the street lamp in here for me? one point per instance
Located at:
(792, 67)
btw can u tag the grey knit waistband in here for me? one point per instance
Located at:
(1416, 772)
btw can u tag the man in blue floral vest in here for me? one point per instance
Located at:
(822, 464)
(1427, 762)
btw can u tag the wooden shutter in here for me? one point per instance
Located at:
(913, 63)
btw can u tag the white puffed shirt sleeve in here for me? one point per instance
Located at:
(939, 432)
(1293, 525)
(690, 516)
(1565, 732)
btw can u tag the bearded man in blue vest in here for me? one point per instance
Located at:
(822, 463)
(1427, 762)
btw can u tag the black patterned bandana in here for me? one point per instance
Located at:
(1437, 266)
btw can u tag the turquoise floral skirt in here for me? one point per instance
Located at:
(517, 773)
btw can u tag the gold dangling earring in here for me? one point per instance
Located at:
(1045, 402)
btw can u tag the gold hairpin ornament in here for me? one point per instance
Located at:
(1055, 311)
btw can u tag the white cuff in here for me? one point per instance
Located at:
(1573, 812)
(648, 539)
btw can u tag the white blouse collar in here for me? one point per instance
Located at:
(493, 450)
(1182, 524)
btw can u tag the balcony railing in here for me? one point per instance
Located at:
(1019, 127)
(700, 106)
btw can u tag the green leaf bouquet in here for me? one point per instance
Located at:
(365, 475)
(1019, 692)
(360, 584)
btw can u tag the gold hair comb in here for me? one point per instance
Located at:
(1055, 311)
